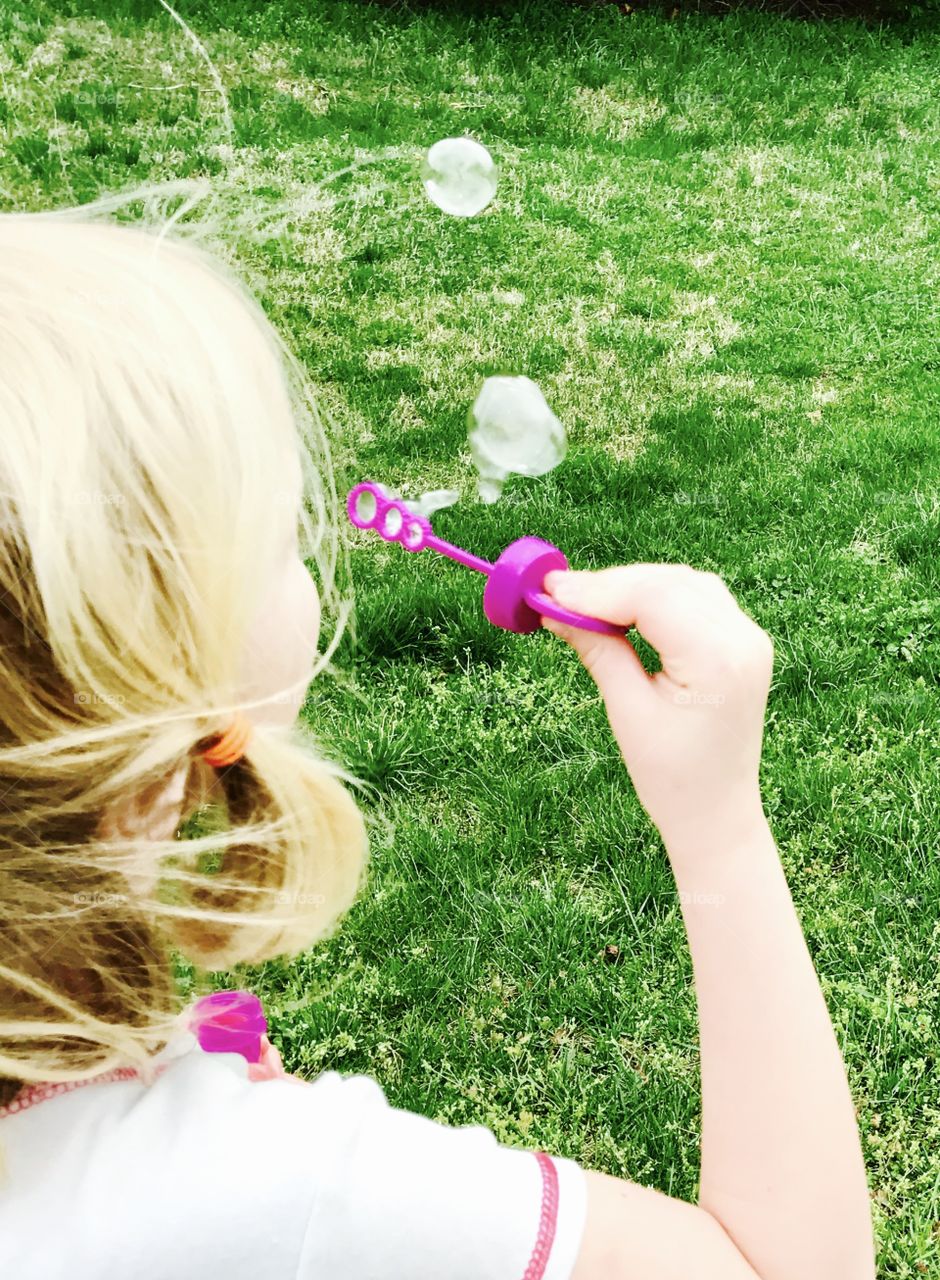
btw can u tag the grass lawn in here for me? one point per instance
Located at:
(715, 247)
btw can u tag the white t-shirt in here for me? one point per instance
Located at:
(207, 1173)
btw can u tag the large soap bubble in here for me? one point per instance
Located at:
(512, 430)
(459, 176)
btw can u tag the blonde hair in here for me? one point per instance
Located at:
(155, 439)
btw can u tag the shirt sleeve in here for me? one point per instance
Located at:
(406, 1196)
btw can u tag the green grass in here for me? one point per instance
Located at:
(714, 247)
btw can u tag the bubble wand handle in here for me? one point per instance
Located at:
(457, 553)
(513, 598)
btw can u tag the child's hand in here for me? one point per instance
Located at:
(269, 1066)
(691, 734)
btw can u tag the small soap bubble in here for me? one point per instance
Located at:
(512, 430)
(436, 500)
(459, 176)
(391, 495)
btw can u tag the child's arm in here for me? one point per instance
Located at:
(782, 1166)
(783, 1192)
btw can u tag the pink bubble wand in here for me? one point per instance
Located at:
(513, 597)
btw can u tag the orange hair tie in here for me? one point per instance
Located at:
(228, 747)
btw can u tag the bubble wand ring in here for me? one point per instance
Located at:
(513, 597)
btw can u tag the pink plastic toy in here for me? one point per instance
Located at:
(229, 1022)
(513, 597)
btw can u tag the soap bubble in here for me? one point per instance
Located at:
(459, 176)
(436, 500)
(512, 429)
(426, 505)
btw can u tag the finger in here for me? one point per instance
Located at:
(667, 604)
(611, 661)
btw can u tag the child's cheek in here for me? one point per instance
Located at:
(305, 600)
(283, 644)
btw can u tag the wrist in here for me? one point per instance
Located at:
(732, 823)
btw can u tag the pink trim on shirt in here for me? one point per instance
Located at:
(548, 1220)
(269, 1068)
(30, 1094)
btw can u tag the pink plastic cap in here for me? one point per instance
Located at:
(520, 569)
(229, 1022)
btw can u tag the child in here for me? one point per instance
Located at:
(158, 629)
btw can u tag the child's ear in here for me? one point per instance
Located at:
(157, 811)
